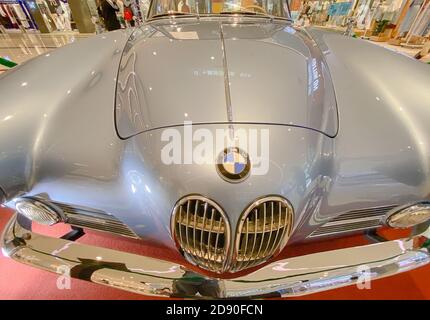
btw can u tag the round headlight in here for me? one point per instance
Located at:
(37, 211)
(410, 216)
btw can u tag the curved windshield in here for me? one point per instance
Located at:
(160, 8)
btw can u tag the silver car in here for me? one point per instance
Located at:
(113, 134)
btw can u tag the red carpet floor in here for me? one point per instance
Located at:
(18, 281)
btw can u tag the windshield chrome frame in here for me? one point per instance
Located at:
(235, 14)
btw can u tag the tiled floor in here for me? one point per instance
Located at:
(408, 51)
(19, 47)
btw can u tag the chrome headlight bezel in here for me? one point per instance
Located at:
(48, 214)
(406, 213)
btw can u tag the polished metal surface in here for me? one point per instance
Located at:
(95, 220)
(343, 135)
(354, 220)
(321, 176)
(227, 82)
(145, 275)
(263, 231)
(38, 211)
(409, 215)
(202, 232)
(209, 69)
(278, 9)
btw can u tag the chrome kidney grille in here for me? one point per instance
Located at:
(263, 230)
(202, 231)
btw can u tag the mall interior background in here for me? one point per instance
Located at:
(53, 16)
(396, 21)
(36, 26)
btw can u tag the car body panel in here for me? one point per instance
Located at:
(60, 141)
(201, 74)
(383, 133)
(161, 82)
(40, 108)
(299, 90)
(141, 191)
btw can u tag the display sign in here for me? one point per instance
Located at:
(339, 8)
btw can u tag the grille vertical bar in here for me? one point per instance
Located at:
(206, 229)
(267, 224)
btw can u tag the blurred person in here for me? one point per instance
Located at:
(128, 13)
(120, 14)
(183, 7)
(98, 20)
(109, 9)
(60, 18)
(302, 21)
(67, 15)
(97, 24)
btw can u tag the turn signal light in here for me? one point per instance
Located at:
(37, 211)
(410, 216)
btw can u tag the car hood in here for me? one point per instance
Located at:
(216, 72)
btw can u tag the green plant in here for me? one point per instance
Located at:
(380, 26)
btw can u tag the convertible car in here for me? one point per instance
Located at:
(343, 154)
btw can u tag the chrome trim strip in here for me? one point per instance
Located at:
(344, 231)
(343, 222)
(290, 277)
(226, 77)
(214, 16)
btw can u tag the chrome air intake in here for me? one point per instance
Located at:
(89, 218)
(263, 231)
(202, 232)
(49, 212)
(353, 221)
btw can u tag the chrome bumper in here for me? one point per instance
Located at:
(144, 275)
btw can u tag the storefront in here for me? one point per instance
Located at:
(47, 15)
(82, 16)
(414, 26)
(51, 15)
(395, 21)
(400, 22)
(15, 15)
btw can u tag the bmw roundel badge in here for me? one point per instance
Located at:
(233, 165)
